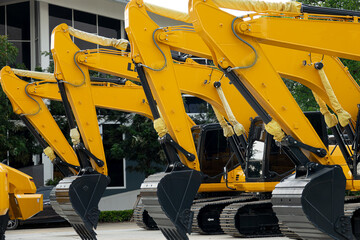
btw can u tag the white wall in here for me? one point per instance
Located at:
(44, 33)
(48, 168)
(122, 201)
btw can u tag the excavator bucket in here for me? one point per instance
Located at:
(168, 198)
(76, 199)
(312, 205)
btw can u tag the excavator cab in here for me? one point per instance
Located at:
(215, 151)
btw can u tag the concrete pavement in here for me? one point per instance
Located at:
(105, 231)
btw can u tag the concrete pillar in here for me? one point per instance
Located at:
(48, 168)
(44, 33)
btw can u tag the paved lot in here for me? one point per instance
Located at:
(107, 231)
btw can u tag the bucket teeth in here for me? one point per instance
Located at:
(70, 200)
(168, 197)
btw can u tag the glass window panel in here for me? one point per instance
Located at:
(195, 105)
(109, 27)
(2, 20)
(58, 15)
(111, 135)
(85, 21)
(18, 21)
(24, 53)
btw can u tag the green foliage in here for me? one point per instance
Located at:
(354, 68)
(342, 4)
(302, 95)
(14, 138)
(8, 52)
(53, 182)
(140, 146)
(116, 216)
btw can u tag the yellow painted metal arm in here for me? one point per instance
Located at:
(198, 80)
(163, 84)
(109, 61)
(261, 79)
(194, 79)
(79, 94)
(115, 97)
(289, 63)
(182, 38)
(331, 36)
(37, 113)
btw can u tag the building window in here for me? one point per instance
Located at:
(24, 52)
(109, 27)
(15, 23)
(18, 21)
(85, 22)
(2, 20)
(92, 23)
(58, 15)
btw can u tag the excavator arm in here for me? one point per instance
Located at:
(229, 38)
(35, 114)
(43, 126)
(50, 90)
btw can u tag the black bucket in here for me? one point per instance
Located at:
(168, 198)
(312, 205)
(76, 199)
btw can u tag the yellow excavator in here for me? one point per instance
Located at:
(36, 113)
(215, 187)
(310, 202)
(18, 197)
(305, 147)
(11, 86)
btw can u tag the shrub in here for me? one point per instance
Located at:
(116, 216)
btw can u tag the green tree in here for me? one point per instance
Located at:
(341, 4)
(8, 52)
(140, 146)
(15, 140)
